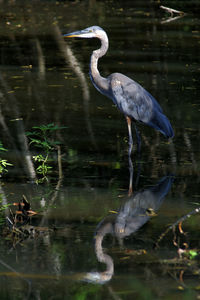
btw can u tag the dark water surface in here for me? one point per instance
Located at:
(90, 240)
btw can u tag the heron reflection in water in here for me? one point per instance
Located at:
(136, 211)
(129, 96)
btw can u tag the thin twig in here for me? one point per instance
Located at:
(182, 219)
(59, 163)
(171, 10)
(168, 20)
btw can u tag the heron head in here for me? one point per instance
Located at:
(90, 32)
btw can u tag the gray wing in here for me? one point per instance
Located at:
(132, 99)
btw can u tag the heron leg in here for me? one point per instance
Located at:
(138, 155)
(129, 136)
(130, 191)
(138, 138)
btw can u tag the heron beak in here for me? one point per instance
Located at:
(74, 34)
(85, 33)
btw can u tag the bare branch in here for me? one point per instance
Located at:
(172, 11)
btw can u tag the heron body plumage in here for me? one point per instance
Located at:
(129, 96)
(138, 104)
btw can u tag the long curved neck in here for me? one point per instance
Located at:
(101, 256)
(100, 83)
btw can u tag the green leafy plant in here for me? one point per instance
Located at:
(3, 162)
(191, 254)
(41, 137)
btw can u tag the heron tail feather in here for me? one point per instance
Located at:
(161, 123)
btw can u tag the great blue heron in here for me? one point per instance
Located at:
(129, 96)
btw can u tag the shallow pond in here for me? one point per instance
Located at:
(89, 239)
